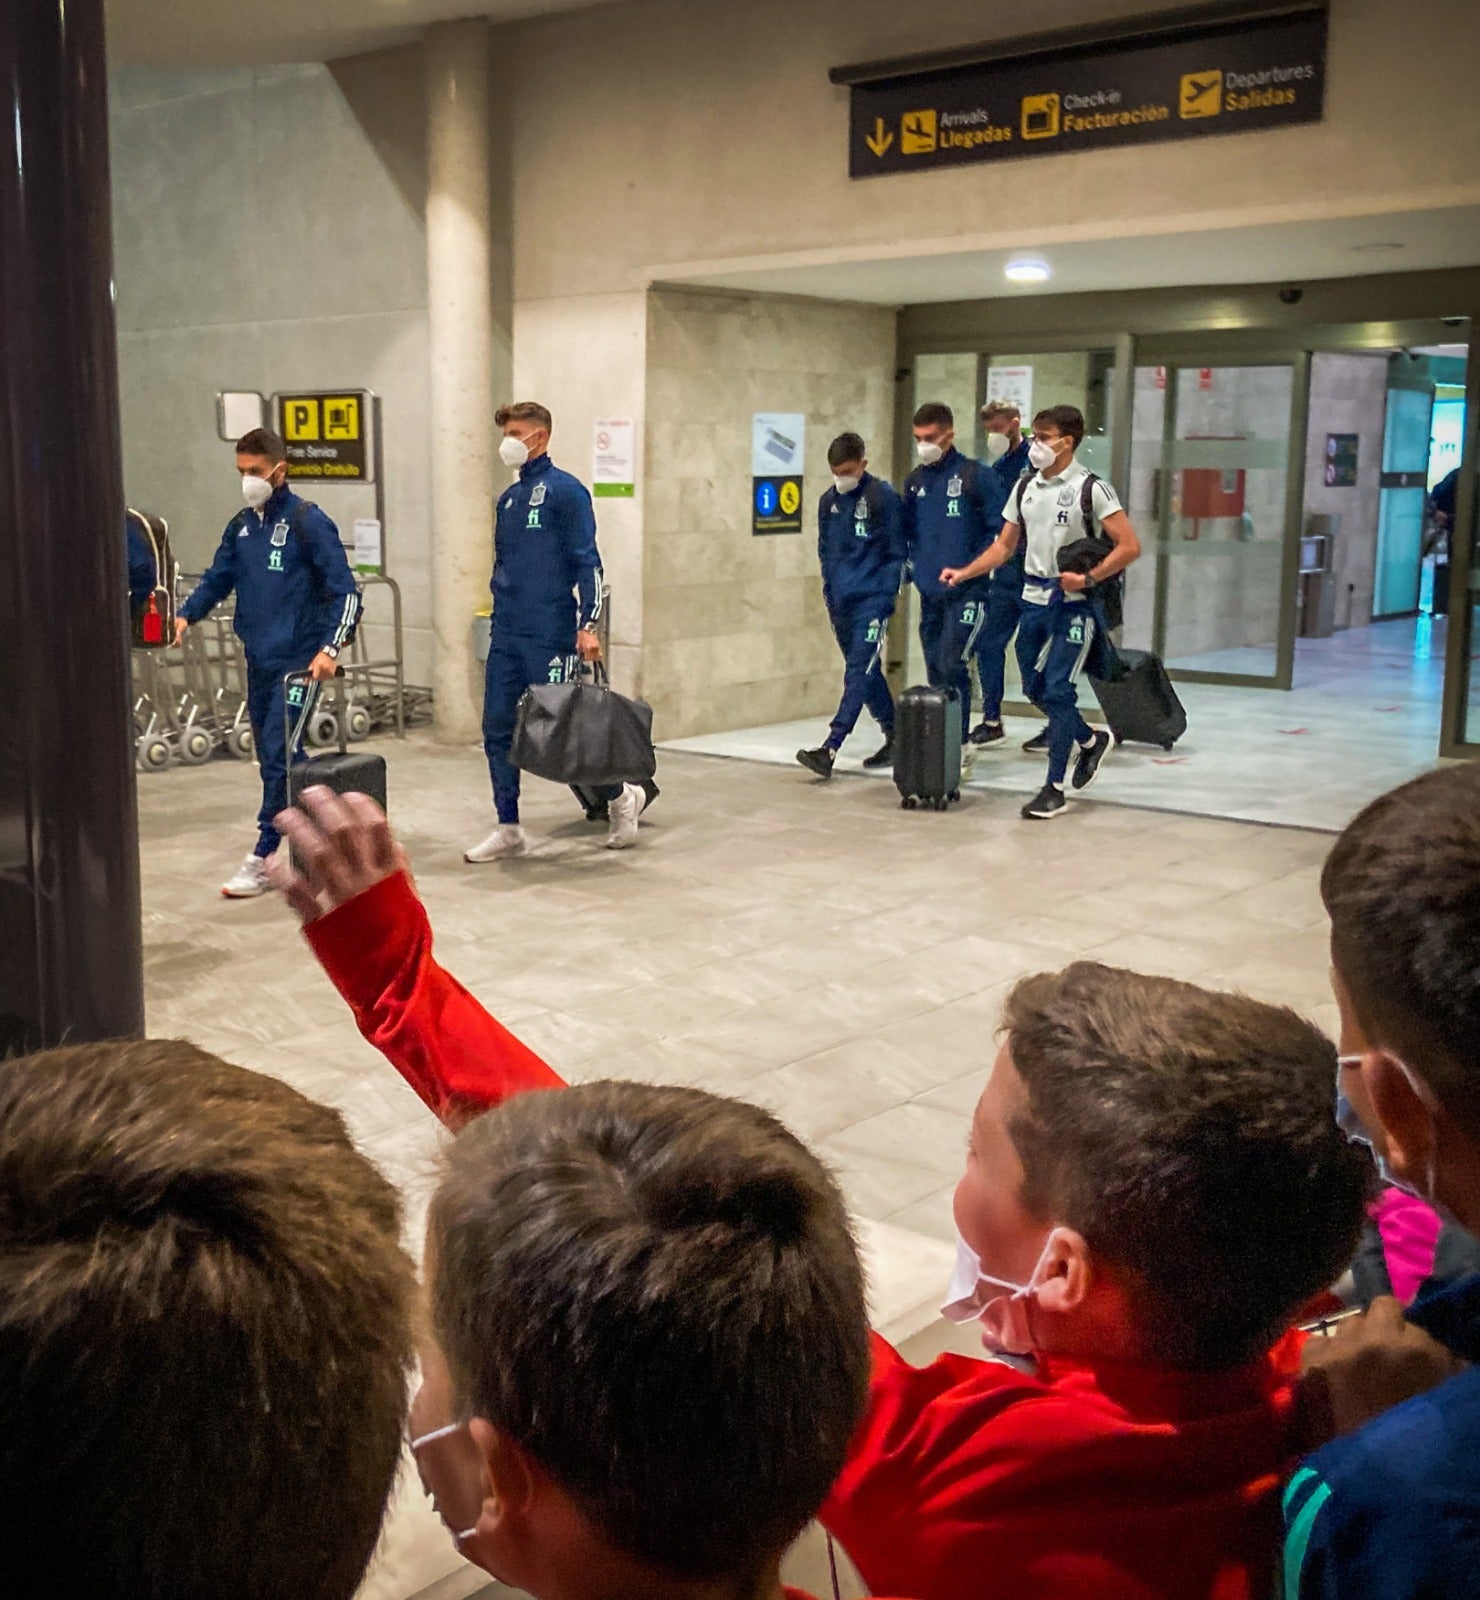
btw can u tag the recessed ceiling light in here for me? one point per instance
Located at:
(1028, 270)
(1380, 244)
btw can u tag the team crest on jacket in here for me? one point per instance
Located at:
(953, 489)
(280, 534)
(537, 498)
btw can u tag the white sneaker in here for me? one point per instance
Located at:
(248, 881)
(623, 813)
(968, 762)
(506, 840)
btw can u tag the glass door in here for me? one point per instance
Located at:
(1215, 494)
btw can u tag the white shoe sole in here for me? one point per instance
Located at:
(1043, 816)
(228, 893)
(492, 860)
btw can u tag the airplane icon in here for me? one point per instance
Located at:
(1201, 95)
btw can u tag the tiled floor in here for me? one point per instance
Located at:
(1362, 718)
(809, 947)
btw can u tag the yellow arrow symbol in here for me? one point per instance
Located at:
(881, 138)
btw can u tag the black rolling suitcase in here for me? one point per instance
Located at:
(1140, 703)
(927, 748)
(345, 771)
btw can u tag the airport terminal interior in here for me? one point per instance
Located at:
(710, 239)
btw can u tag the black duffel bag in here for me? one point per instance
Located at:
(584, 734)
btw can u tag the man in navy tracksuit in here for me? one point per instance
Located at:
(860, 545)
(1007, 452)
(546, 601)
(297, 605)
(952, 513)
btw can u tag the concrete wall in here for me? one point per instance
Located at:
(268, 234)
(667, 140)
(734, 630)
(1348, 394)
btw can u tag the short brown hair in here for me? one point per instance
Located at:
(934, 414)
(263, 442)
(1069, 420)
(204, 1331)
(1402, 887)
(1190, 1136)
(655, 1292)
(1000, 408)
(524, 411)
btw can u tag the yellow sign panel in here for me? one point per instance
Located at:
(1040, 116)
(342, 416)
(301, 419)
(791, 497)
(1201, 95)
(917, 133)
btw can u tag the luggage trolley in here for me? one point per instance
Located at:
(374, 686)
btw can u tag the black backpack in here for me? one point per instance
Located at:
(152, 626)
(1085, 554)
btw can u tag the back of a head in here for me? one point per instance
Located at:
(655, 1292)
(1189, 1136)
(204, 1332)
(1402, 887)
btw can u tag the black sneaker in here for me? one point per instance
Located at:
(987, 733)
(882, 757)
(1047, 804)
(819, 760)
(1087, 762)
(1038, 744)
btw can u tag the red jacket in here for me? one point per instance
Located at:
(967, 1478)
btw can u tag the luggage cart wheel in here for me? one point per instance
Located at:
(154, 753)
(1166, 747)
(357, 723)
(954, 797)
(908, 803)
(196, 747)
(323, 730)
(241, 743)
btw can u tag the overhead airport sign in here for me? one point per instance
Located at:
(327, 435)
(1232, 77)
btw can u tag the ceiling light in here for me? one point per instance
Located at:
(1028, 270)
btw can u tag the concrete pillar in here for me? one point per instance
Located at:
(70, 946)
(461, 338)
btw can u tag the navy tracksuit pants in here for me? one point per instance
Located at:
(860, 630)
(265, 712)
(1053, 644)
(949, 626)
(1003, 603)
(513, 665)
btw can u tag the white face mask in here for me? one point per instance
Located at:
(255, 491)
(1349, 1120)
(1042, 455)
(998, 445)
(845, 483)
(928, 453)
(513, 452)
(1000, 1305)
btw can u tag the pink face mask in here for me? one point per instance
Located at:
(1000, 1305)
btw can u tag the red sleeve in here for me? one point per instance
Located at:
(377, 950)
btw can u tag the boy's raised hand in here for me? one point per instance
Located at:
(341, 846)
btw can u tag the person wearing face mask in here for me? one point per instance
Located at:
(1060, 624)
(861, 549)
(1007, 455)
(1394, 1508)
(952, 513)
(546, 601)
(297, 606)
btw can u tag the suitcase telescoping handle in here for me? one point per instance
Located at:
(304, 681)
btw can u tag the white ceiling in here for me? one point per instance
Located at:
(216, 33)
(1290, 251)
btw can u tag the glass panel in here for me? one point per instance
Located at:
(1142, 503)
(1400, 518)
(1229, 477)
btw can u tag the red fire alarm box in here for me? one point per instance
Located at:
(1213, 491)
